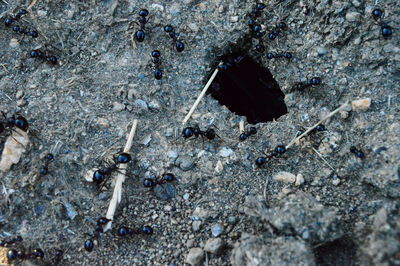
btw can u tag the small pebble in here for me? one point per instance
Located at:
(70, 210)
(185, 163)
(234, 19)
(361, 105)
(141, 104)
(19, 94)
(196, 225)
(299, 180)
(14, 43)
(117, 107)
(353, 16)
(214, 245)
(285, 177)
(195, 256)
(225, 152)
(217, 230)
(322, 51)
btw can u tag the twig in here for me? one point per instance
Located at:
(241, 126)
(32, 4)
(317, 124)
(203, 92)
(116, 198)
(323, 159)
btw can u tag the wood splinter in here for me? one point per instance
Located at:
(117, 194)
(203, 92)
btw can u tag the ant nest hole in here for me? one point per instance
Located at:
(245, 87)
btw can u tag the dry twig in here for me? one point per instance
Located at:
(117, 194)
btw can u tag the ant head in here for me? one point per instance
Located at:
(188, 132)
(98, 176)
(143, 12)
(168, 28)
(149, 183)
(377, 13)
(122, 157)
(168, 177)
(156, 54)
(21, 123)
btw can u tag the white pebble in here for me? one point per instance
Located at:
(285, 177)
(362, 104)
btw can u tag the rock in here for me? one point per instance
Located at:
(217, 230)
(321, 222)
(13, 149)
(19, 94)
(141, 104)
(14, 43)
(196, 225)
(234, 19)
(255, 250)
(361, 105)
(321, 51)
(214, 245)
(299, 180)
(131, 94)
(185, 163)
(353, 16)
(225, 152)
(285, 177)
(117, 107)
(70, 210)
(195, 256)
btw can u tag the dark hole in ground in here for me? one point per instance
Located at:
(248, 89)
(341, 251)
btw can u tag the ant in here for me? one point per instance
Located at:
(179, 45)
(10, 21)
(255, 13)
(140, 34)
(89, 243)
(151, 183)
(13, 254)
(11, 241)
(279, 150)
(13, 121)
(189, 132)
(280, 27)
(100, 175)
(44, 170)
(386, 30)
(39, 54)
(318, 128)
(300, 86)
(358, 153)
(125, 231)
(287, 55)
(156, 59)
(245, 135)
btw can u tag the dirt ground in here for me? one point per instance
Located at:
(344, 212)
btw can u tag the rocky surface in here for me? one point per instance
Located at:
(335, 209)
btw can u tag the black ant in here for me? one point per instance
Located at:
(16, 28)
(156, 59)
(255, 13)
(358, 153)
(300, 86)
(189, 132)
(100, 175)
(14, 121)
(151, 183)
(89, 243)
(318, 128)
(287, 55)
(10, 241)
(41, 55)
(179, 45)
(386, 30)
(13, 254)
(279, 150)
(280, 27)
(44, 170)
(245, 135)
(140, 34)
(125, 231)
